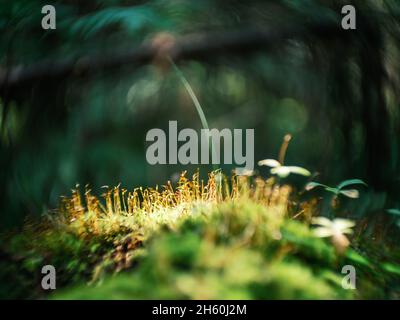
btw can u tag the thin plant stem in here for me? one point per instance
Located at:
(196, 103)
(284, 146)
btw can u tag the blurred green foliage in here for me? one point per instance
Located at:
(242, 247)
(337, 96)
(342, 113)
(207, 259)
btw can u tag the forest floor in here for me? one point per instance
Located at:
(226, 238)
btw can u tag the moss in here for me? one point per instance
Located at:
(192, 242)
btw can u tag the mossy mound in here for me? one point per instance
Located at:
(213, 244)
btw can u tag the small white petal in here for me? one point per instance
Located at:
(269, 162)
(299, 170)
(347, 231)
(281, 171)
(322, 221)
(323, 232)
(342, 224)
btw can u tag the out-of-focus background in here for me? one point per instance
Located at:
(287, 67)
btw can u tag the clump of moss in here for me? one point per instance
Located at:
(218, 239)
(235, 251)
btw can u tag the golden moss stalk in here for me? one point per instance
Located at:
(147, 208)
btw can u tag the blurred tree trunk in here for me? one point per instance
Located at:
(374, 108)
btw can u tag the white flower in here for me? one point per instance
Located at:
(336, 229)
(283, 171)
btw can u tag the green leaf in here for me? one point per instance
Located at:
(333, 190)
(350, 182)
(355, 257)
(131, 18)
(395, 212)
(352, 193)
(391, 268)
(312, 185)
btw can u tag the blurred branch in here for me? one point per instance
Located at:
(197, 46)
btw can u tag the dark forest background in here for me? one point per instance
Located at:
(76, 102)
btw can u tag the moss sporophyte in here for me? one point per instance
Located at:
(226, 237)
(146, 209)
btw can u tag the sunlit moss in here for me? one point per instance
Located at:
(224, 238)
